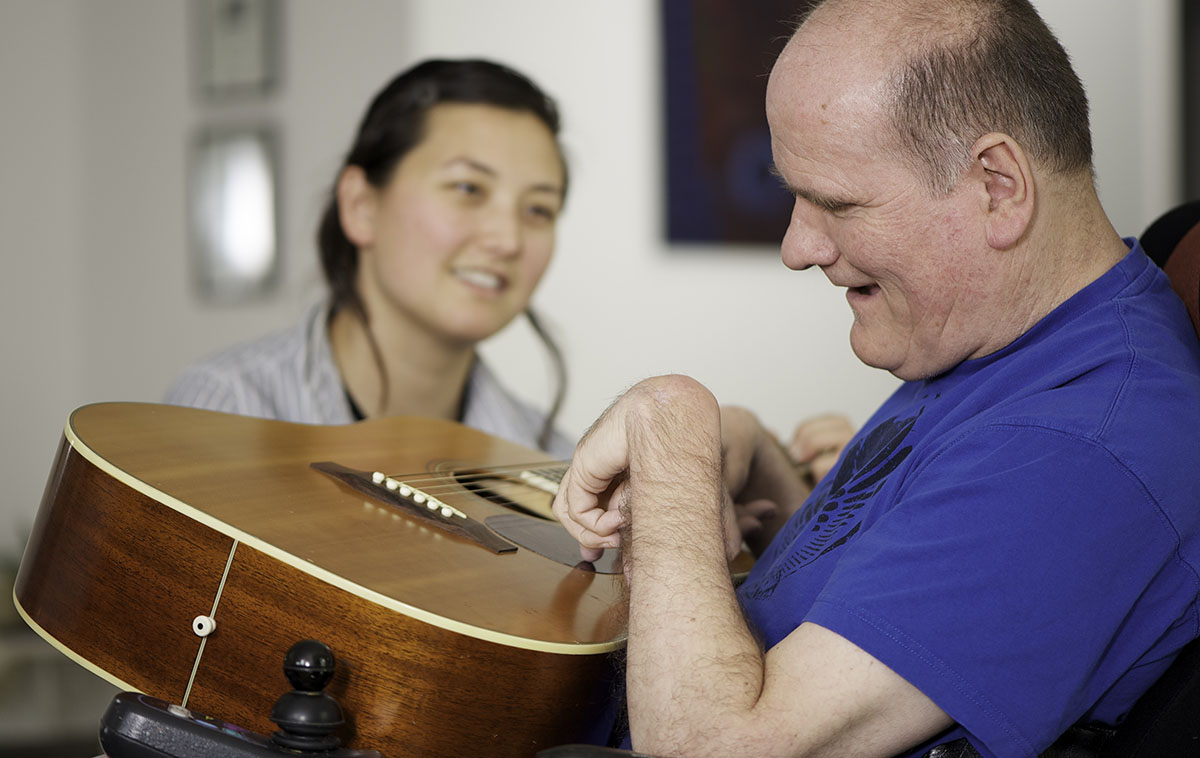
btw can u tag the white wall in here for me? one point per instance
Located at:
(97, 114)
(41, 209)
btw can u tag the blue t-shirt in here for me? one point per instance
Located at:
(1019, 537)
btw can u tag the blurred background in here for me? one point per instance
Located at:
(101, 112)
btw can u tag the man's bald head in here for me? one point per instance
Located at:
(951, 71)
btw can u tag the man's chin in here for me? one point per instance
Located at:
(871, 350)
(880, 357)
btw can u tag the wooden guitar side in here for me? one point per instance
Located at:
(154, 515)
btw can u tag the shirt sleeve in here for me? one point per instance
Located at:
(198, 387)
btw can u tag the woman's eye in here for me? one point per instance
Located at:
(467, 188)
(543, 212)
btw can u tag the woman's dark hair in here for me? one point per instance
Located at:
(393, 125)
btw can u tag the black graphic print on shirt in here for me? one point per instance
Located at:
(832, 516)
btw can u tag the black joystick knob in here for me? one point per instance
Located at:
(309, 665)
(306, 716)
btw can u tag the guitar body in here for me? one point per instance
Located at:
(154, 515)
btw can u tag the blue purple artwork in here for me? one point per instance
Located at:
(717, 147)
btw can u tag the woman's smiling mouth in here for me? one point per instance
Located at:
(480, 279)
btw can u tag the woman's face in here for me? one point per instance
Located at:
(458, 238)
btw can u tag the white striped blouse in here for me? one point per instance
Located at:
(291, 376)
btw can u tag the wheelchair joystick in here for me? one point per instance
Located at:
(306, 716)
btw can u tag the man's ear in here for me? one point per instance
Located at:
(357, 203)
(1008, 182)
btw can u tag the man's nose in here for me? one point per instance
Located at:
(806, 242)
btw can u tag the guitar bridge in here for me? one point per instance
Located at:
(417, 503)
(416, 495)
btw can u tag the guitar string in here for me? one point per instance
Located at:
(452, 488)
(493, 491)
(212, 614)
(470, 475)
(453, 481)
(803, 468)
(469, 470)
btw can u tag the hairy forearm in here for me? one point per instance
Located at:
(693, 666)
(651, 476)
(692, 663)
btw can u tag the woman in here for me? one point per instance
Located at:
(440, 225)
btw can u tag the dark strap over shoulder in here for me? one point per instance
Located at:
(956, 749)
(1080, 741)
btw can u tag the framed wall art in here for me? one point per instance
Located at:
(233, 213)
(236, 47)
(717, 55)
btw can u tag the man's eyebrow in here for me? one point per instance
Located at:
(821, 201)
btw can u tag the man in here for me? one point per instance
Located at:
(1010, 545)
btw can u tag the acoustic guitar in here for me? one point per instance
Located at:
(181, 552)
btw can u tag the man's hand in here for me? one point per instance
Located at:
(591, 493)
(741, 439)
(817, 442)
(663, 429)
(760, 477)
